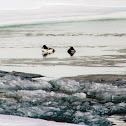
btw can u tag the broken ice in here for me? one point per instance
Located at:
(62, 100)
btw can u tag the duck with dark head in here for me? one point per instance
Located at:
(71, 51)
(46, 50)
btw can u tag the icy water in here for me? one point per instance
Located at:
(97, 31)
(100, 48)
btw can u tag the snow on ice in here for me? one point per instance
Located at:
(9, 120)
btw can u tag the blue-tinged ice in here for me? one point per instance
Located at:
(66, 86)
(62, 100)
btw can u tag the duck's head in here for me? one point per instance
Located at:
(71, 47)
(45, 47)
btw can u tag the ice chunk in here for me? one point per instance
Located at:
(92, 120)
(78, 97)
(66, 85)
(119, 98)
(106, 92)
(119, 108)
(35, 96)
(16, 83)
(104, 96)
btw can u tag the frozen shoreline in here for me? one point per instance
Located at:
(10, 120)
(83, 99)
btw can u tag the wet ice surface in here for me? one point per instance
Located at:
(87, 60)
(63, 100)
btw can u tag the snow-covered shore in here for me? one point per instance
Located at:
(9, 120)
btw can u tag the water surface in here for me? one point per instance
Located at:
(100, 48)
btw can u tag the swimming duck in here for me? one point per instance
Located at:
(71, 50)
(46, 50)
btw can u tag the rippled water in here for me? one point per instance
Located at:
(100, 48)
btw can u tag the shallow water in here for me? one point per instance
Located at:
(100, 48)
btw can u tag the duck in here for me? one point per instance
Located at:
(71, 50)
(46, 50)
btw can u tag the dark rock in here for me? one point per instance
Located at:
(22, 75)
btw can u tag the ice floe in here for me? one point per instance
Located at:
(62, 100)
